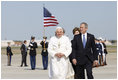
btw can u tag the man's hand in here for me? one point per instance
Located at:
(95, 63)
(8, 54)
(74, 61)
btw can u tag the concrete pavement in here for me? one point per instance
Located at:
(17, 72)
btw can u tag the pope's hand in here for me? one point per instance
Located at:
(61, 55)
(57, 54)
(74, 61)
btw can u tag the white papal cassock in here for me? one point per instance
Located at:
(58, 67)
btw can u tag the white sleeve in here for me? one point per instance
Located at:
(50, 48)
(68, 48)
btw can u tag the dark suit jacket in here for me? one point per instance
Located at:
(82, 55)
(23, 49)
(70, 56)
(9, 51)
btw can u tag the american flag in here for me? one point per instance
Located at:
(49, 19)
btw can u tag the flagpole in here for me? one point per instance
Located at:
(43, 31)
(43, 23)
(44, 28)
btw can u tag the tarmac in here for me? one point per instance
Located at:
(16, 72)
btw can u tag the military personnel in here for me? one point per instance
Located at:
(9, 54)
(101, 55)
(44, 52)
(24, 53)
(105, 52)
(32, 47)
(99, 51)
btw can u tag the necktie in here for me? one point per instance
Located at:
(84, 41)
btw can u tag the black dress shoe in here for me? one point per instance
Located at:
(45, 68)
(105, 64)
(33, 68)
(21, 65)
(8, 65)
(26, 65)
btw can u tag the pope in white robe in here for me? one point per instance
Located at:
(59, 49)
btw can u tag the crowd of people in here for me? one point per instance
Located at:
(101, 51)
(67, 58)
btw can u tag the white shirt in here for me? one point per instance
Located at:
(85, 36)
(32, 41)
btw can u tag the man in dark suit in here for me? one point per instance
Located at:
(24, 53)
(9, 54)
(84, 52)
(32, 47)
(44, 52)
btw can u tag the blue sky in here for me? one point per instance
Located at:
(21, 20)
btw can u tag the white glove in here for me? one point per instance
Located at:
(31, 44)
(99, 53)
(29, 48)
(97, 48)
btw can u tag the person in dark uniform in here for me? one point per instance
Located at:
(32, 47)
(76, 31)
(24, 53)
(99, 51)
(105, 51)
(9, 54)
(44, 52)
(102, 53)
